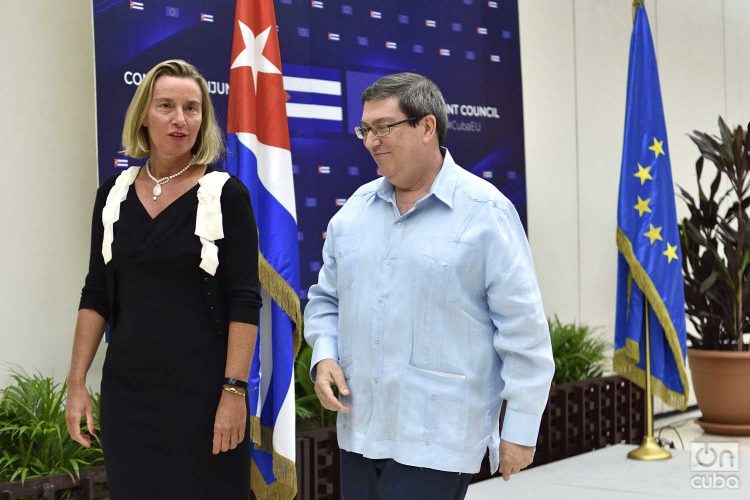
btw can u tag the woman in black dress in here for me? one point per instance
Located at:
(174, 270)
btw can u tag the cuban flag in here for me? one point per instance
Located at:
(258, 153)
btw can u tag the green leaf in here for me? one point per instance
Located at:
(578, 351)
(33, 431)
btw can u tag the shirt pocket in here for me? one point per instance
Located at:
(432, 408)
(440, 280)
(439, 269)
(345, 251)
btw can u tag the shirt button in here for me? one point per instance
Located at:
(427, 443)
(444, 264)
(399, 225)
(381, 299)
(377, 341)
(388, 262)
(433, 397)
(376, 381)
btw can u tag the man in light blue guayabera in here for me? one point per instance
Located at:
(426, 314)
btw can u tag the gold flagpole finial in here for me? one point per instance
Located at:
(636, 3)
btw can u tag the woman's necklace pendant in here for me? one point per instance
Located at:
(156, 191)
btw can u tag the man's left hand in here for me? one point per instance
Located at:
(514, 457)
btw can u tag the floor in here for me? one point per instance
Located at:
(608, 474)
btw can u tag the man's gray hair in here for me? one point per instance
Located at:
(418, 96)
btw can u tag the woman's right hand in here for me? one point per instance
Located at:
(77, 407)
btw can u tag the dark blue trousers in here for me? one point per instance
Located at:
(385, 479)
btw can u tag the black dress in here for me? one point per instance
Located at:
(165, 361)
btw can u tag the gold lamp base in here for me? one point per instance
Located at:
(649, 450)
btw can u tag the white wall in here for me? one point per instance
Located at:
(574, 60)
(49, 179)
(574, 56)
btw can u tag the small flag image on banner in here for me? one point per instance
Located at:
(207, 18)
(136, 5)
(121, 163)
(391, 45)
(334, 37)
(324, 169)
(495, 58)
(445, 52)
(481, 30)
(492, 5)
(340, 202)
(316, 4)
(375, 14)
(430, 23)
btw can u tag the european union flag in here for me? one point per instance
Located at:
(649, 259)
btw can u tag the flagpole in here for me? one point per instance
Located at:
(649, 448)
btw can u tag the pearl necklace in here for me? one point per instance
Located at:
(157, 188)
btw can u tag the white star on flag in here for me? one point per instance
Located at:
(253, 56)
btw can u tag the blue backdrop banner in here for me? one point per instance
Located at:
(330, 51)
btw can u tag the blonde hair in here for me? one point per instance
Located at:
(209, 145)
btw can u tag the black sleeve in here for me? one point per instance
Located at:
(94, 292)
(239, 260)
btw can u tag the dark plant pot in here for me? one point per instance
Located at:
(90, 486)
(721, 380)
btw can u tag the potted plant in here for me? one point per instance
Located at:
(578, 352)
(36, 453)
(309, 412)
(715, 242)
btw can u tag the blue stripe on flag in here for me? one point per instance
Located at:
(264, 461)
(279, 246)
(279, 230)
(281, 374)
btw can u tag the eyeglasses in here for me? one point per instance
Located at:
(380, 130)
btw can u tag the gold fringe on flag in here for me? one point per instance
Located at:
(284, 470)
(625, 360)
(285, 486)
(261, 435)
(284, 295)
